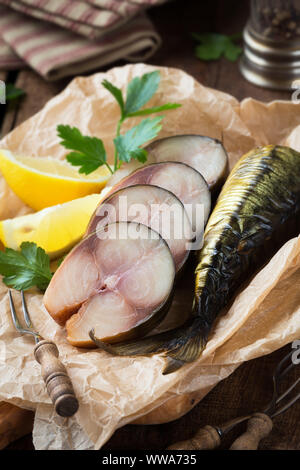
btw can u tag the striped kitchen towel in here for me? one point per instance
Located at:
(8, 59)
(55, 51)
(91, 18)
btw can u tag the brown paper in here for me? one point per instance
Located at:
(264, 316)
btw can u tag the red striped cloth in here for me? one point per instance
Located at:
(8, 58)
(91, 18)
(54, 51)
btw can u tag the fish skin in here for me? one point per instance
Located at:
(260, 197)
(154, 155)
(146, 174)
(267, 174)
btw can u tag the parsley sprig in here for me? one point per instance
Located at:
(213, 45)
(10, 93)
(26, 268)
(89, 153)
(13, 93)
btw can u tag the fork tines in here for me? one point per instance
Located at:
(26, 316)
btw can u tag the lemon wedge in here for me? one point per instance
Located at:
(45, 182)
(56, 229)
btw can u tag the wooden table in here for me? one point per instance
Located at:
(250, 387)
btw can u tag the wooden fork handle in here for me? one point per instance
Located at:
(55, 375)
(206, 438)
(258, 427)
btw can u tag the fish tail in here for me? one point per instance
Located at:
(181, 345)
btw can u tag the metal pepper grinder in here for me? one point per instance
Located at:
(271, 56)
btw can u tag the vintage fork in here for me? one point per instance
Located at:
(259, 424)
(54, 373)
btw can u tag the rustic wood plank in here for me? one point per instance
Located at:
(175, 24)
(38, 92)
(3, 75)
(14, 423)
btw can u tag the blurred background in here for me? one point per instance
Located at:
(45, 44)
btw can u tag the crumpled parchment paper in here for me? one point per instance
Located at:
(264, 316)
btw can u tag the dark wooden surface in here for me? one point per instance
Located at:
(250, 387)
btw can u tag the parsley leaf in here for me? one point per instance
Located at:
(89, 151)
(213, 46)
(232, 52)
(116, 92)
(155, 109)
(13, 93)
(128, 144)
(26, 268)
(139, 154)
(140, 90)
